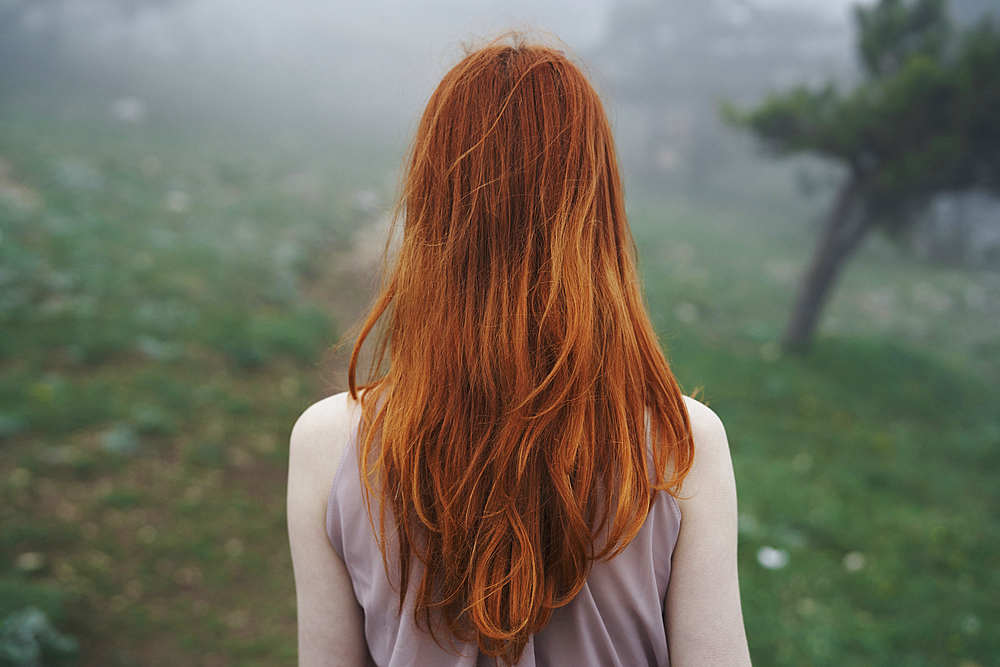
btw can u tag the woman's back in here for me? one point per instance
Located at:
(616, 619)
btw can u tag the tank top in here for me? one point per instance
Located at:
(616, 620)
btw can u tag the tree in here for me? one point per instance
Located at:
(923, 120)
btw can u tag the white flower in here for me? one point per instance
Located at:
(771, 558)
(854, 561)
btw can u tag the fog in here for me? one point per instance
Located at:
(194, 204)
(356, 64)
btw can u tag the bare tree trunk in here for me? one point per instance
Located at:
(839, 239)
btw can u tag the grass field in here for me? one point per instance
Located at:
(870, 464)
(167, 302)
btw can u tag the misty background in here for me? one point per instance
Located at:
(300, 71)
(193, 205)
(303, 75)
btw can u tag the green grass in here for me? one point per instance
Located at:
(156, 348)
(167, 307)
(879, 450)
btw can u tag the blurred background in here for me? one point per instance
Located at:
(193, 202)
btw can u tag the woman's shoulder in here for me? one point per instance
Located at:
(706, 427)
(712, 465)
(325, 421)
(331, 624)
(318, 441)
(703, 612)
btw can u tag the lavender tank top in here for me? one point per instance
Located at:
(616, 620)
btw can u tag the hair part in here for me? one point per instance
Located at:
(520, 416)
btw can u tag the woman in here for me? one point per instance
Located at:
(521, 481)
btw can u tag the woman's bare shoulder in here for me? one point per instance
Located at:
(704, 616)
(712, 460)
(705, 423)
(320, 437)
(331, 623)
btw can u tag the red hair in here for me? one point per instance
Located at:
(521, 417)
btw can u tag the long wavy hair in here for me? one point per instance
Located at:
(519, 418)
